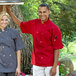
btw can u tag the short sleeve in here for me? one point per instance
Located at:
(27, 27)
(56, 38)
(18, 42)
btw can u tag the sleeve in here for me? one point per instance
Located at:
(56, 38)
(18, 42)
(27, 27)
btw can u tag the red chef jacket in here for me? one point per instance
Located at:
(46, 38)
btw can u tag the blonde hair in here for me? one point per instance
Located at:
(4, 14)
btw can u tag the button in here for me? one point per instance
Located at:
(41, 57)
(54, 40)
(4, 64)
(10, 55)
(40, 41)
(37, 32)
(3, 47)
(3, 55)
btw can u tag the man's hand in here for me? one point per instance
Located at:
(14, 18)
(8, 8)
(53, 71)
(1, 8)
(5, 8)
(18, 71)
(54, 68)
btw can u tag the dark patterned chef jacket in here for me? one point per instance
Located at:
(10, 43)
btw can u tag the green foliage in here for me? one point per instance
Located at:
(73, 58)
(65, 19)
(30, 9)
(69, 44)
(62, 13)
(63, 71)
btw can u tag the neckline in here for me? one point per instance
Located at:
(45, 21)
(4, 29)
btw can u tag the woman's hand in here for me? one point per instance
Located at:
(18, 71)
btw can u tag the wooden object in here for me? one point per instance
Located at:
(11, 2)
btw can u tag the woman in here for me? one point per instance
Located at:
(10, 46)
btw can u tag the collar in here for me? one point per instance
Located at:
(45, 21)
(4, 29)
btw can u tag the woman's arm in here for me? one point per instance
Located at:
(18, 70)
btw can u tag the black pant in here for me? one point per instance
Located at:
(7, 74)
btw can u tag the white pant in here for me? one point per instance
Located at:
(43, 71)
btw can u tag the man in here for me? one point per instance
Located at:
(46, 42)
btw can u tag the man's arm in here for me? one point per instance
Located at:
(18, 69)
(56, 56)
(15, 19)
